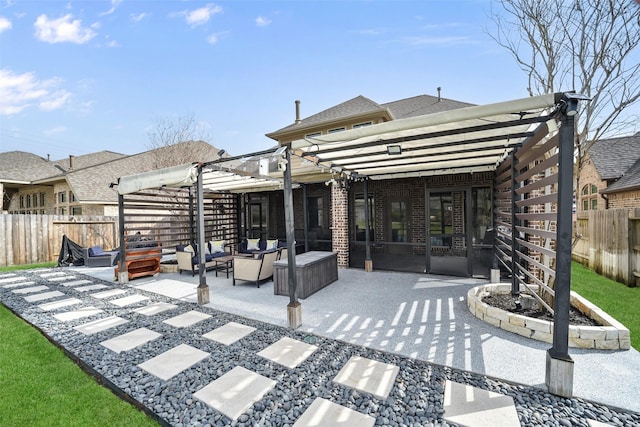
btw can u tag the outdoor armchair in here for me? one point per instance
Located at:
(254, 269)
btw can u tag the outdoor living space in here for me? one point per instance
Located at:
(423, 317)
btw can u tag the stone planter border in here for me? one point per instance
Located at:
(612, 336)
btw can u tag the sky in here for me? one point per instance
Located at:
(78, 77)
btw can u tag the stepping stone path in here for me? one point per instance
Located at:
(234, 391)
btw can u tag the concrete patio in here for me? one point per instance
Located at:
(420, 316)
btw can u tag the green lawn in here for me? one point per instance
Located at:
(618, 300)
(42, 387)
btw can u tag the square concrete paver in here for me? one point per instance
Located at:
(472, 406)
(288, 352)
(229, 333)
(17, 284)
(30, 289)
(155, 308)
(59, 304)
(77, 314)
(131, 299)
(90, 288)
(130, 340)
(61, 278)
(100, 325)
(53, 274)
(109, 294)
(235, 392)
(369, 376)
(174, 361)
(187, 319)
(323, 412)
(75, 283)
(43, 296)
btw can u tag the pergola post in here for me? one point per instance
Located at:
(559, 365)
(123, 274)
(203, 288)
(294, 308)
(368, 262)
(515, 264)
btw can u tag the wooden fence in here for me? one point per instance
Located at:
(31, 239)
(608, 242)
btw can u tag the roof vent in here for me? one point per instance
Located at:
(297, 111)
(71, 159)
(439, 97)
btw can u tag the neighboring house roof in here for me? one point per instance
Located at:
(86, 160)
(630, 179)
(360, 105)
(91, 174)
(18, 166)
(613, 157)
(91, 185)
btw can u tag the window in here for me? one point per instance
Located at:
(42, 199)
(361, 125)
(77, 210)
(28, 200)
(315, 211)
(359, 216)
(62, 197)
(311, 135)
(35, 200)
(72, 196)
(22, 205)
(340, 129)
(589, 196)
(63, 211)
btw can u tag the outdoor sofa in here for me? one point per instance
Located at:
(95, 256)
(256, 268)
(188, 258)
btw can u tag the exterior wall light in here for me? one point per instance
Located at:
(393, 150)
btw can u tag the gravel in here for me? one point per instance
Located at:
(415, 400)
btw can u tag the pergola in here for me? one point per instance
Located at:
(527, 143)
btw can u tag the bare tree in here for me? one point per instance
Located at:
(173, 141)
(590, 46)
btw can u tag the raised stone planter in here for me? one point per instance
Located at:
(612, 336)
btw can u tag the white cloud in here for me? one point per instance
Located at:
(64, 29)
(113, 43)
(114, 5)
(55, 130)
(21, 91)
(5, 24)
(201, 16)
(137, 18)
(262, 21)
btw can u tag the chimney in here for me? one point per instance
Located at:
(71, 159)
(439, 97)
(297, 111)
(48, 157)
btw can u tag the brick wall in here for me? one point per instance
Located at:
(588, 176)
(624, 199)
(340, 224)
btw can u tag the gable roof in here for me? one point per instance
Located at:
(91, 184)
(22, 167)
(613, 157)
(630, 179)
(360, 105)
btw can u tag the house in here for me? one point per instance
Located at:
(80, 185)
(610, 175)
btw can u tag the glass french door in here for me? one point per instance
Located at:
(398, 230)
(447, 239)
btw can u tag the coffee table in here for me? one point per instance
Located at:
(223, 263)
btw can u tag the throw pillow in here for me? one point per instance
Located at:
(189, 249)
(272, 244)
(253, 244)
(216, 246)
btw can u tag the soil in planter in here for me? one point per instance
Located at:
(507, 302)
